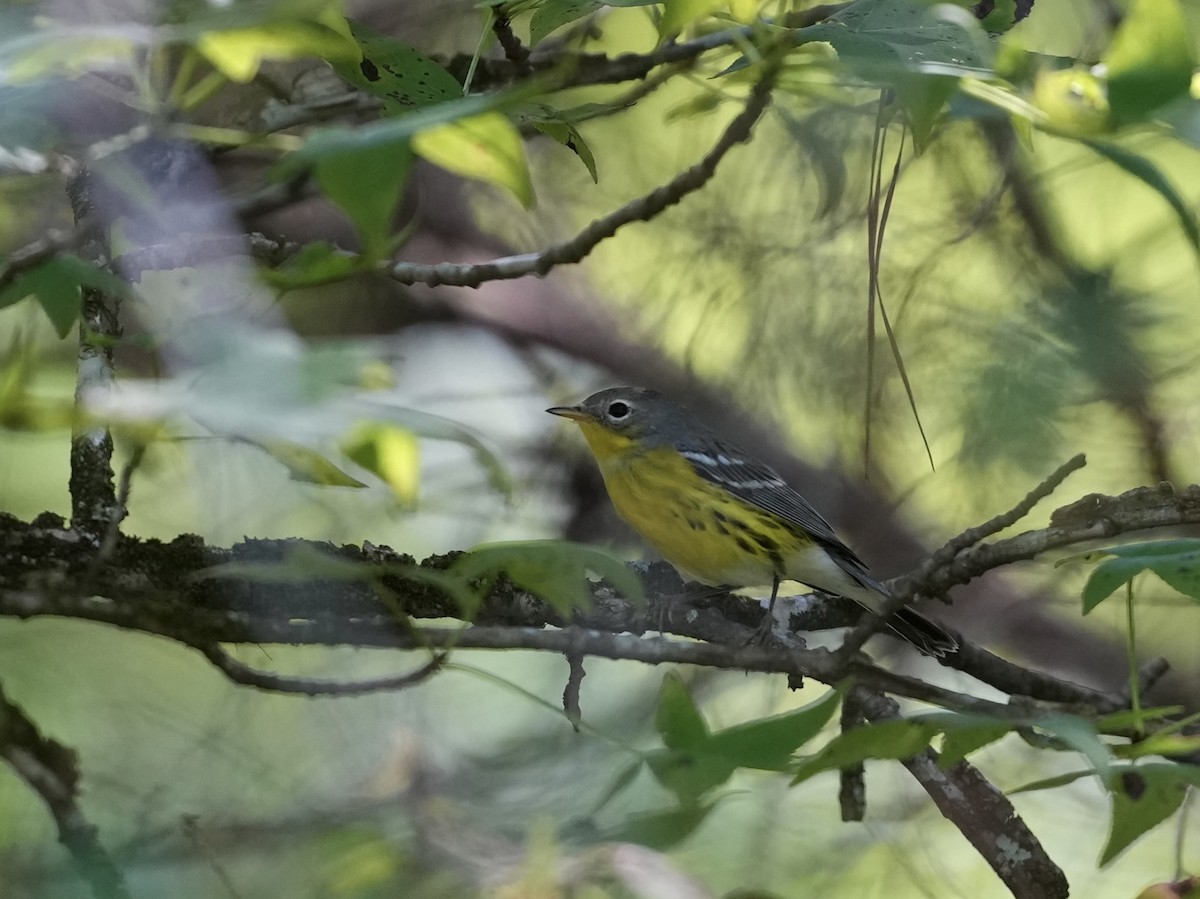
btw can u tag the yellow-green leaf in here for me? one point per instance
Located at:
(307, 465)
(486, 147)
(392, 453)
(238, 52)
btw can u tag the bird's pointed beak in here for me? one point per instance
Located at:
(575, 413)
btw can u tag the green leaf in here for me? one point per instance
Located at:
(317, 263)
(923, 97)
(899, 739)
(1079, 735)
(396, 73)
(366, 183)
(391, 453)
(486, 147)
(553, 14)
(57, 284)
(1177, 562)
(554, 570)
(1147, 172)
(568, 135)
(769, 744)
(678, 721)
(1150, 60)
(1143, 796)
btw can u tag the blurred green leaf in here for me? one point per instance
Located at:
(679, 14)
(317, 263)
(554, 570)
(678, 721)
(366, 184)
(689, 773)
(1150, 60)
(662, 829)
(961, 742)
(879, 38)
(1143, 796)
(553, 14)
(57, 285)
(58, 50)
(769, 744)
(1073, 102)
(437, 427)
(486, 147)
(1149, 174)
(1177, 562)
(391, 131)
(401, 77)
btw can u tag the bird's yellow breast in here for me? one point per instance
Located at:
(707, 533)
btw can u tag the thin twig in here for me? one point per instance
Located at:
(577, 248)
(241, 673)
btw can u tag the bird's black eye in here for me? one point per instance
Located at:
(618, 410)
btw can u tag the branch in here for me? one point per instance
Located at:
(169, 589)
(905, 589)
(51, 770)
(642, 209)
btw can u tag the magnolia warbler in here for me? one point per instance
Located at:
(720, 516)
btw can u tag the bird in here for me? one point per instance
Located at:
(720, 516)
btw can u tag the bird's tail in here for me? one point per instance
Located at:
(927, 636)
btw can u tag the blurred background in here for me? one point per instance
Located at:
(1045, 302)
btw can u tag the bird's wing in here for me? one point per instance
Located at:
(759, 485)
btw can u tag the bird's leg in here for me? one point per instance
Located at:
(767, 625)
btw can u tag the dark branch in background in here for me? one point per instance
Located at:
(514, 51)
(640, 210)
(983, 815)
(52, 771)
(852, 782)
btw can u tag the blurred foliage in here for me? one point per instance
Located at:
(1039, 265)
